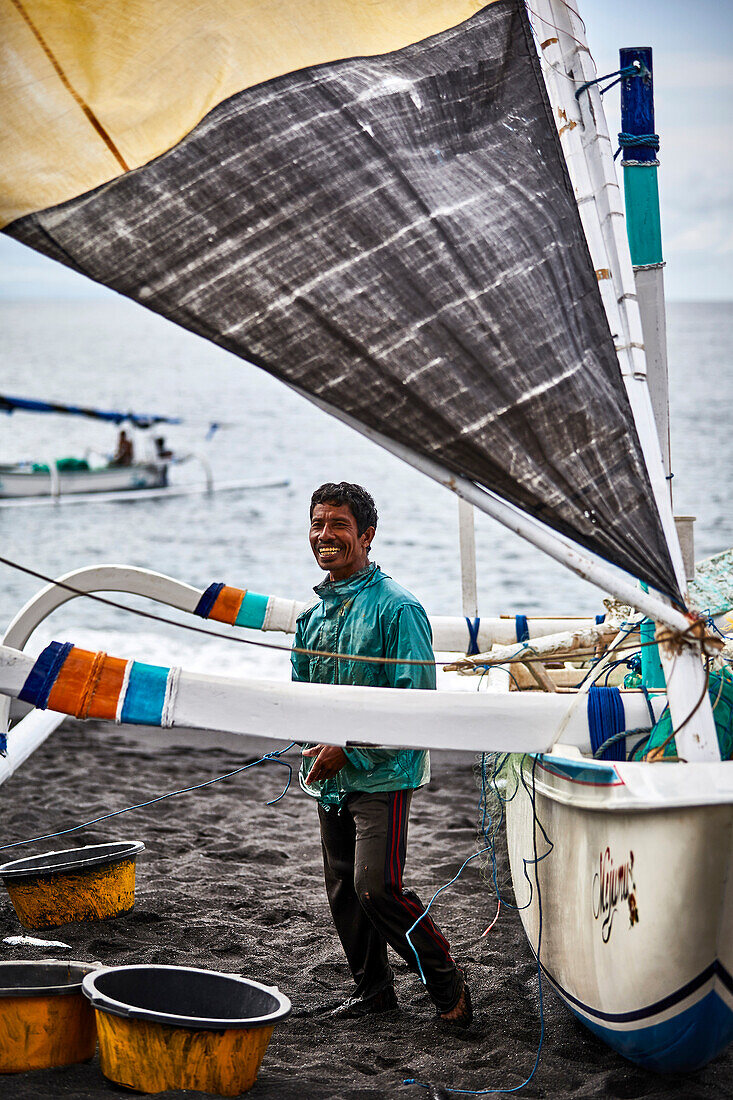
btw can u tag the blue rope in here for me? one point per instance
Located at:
(427, 910)
(628, 70)
(648, 701)
(606, 718)
(593, 672)
(473, 629)
(628, 141)
(521, 627)
(268, 758)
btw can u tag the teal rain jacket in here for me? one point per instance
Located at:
(367, 614)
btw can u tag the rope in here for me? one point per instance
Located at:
(648, 702)
(425, 912)
(658, 751)
(629, 141)
(536, 860)
(268, 758)
(473, 629)
(606, 719)
(635, 69)
(496, 917)
(618, 737)
(212, 633)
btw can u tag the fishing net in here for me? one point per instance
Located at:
(662, 743)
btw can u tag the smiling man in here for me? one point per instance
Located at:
(364, 795)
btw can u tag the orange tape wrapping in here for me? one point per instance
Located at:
(227, 605)
(88, 685)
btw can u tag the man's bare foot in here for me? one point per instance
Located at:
(461, 1014)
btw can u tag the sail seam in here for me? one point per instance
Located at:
(92, 118)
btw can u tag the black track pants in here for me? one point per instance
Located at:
(364, 847)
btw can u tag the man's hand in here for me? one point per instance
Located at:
(329, 760)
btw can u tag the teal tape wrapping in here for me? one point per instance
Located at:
(252, 611)
(145, 695)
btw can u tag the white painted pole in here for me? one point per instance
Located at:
(649, 281)
(466, 720)
(467, 541)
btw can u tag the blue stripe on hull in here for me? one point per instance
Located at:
(685, 1042)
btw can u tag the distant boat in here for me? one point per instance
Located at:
(74, 480)
(22, 480)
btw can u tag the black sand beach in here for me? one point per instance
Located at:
(229, 884)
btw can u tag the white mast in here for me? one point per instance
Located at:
(467, 543)
(588, 151)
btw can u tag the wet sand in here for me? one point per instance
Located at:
(230, 884)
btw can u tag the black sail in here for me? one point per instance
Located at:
(396, 234)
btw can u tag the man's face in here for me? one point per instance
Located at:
(336, 543)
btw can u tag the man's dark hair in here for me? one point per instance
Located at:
(361, 503)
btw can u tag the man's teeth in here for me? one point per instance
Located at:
(329, 550)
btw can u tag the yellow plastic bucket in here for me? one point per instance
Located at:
(177, 1027)
(78, 884)
(44, 1019)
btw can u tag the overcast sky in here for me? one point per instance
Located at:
(693, 75)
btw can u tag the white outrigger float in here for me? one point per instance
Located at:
(622, 869)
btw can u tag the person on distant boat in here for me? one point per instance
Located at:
(162, 453)
(364, 795)
(124, 454)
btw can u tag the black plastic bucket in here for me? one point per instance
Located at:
(76, 884)
(166, 1027)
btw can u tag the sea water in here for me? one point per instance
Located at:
(112, 354)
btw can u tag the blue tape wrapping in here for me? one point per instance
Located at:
(207, 601)
(42, 676)
(600, 619)
(522, 628)
(145, 695)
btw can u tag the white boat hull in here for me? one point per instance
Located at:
(16, 484)
(636, 897)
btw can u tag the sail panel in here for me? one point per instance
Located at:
(92, 90)
(397, 236)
